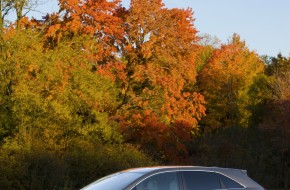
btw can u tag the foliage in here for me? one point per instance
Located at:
(96, 88)
(225, 82)
(157, 78)
(42, 168)
(96, 19)
(60, 112)
(276, 122)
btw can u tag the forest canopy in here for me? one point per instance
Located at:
(96, 87)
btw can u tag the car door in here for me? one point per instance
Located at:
(200, 180)
(160, 181)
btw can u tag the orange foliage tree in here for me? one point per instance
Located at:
(158, 52)
(148, 50)
(94, 18)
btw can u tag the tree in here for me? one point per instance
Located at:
(205, 51)
(158, 51)
(60, 111)
(94, 18)
(22, 7)
(276, 120)
(5, 7)
(157, 76)
(225, 82)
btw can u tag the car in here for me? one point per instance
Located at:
(176, 178)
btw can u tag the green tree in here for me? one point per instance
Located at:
(61, 110)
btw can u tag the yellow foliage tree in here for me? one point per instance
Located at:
(225, 82)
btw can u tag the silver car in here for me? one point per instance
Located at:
(177, 178)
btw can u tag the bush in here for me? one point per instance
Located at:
(39, 168)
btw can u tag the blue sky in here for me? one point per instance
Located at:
(263, 24)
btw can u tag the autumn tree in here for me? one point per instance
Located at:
(60, 85)
(225, 81)
(157, 77)
(94, 18)
(7, 77)
(207, 45)
(170, 70)
(55, 116)
(159, 51)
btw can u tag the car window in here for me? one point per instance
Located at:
(116, 181)
(229, 183)
(162, 181)
(201, 180)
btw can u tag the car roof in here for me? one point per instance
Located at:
(170, 168)
(236, 174)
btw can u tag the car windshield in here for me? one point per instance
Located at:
(117, 181)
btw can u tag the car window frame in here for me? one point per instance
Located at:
(145, 177)
(223, 186)
(207, 171)
(243, 187)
